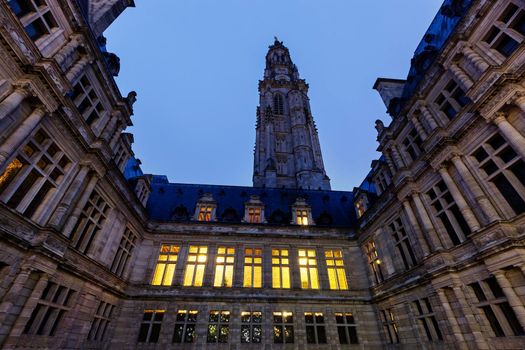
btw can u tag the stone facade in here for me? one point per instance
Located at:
(427, 253)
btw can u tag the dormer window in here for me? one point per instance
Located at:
(302, 213)
(206, 208)
(254, 215)
(360, 207)
(205, 213)
(254, 211)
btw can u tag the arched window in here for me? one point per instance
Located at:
(278, 104)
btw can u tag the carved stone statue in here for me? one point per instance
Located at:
(380, 126)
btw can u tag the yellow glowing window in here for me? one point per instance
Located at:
(195, 266)
(9, 174)
(254, 215)
(252, 268)
(280, 268)
(224, 267)
(165, 269)
(205, 213)
(360, 207)
(308, 269)
(336, 269)
(302, 217)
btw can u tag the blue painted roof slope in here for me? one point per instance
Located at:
(176, 202)
(132, 169)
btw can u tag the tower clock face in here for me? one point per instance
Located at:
(282, 77)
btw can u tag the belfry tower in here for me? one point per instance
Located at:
(287, 150)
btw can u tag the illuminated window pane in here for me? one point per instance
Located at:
(195, 266)
(224, 267)
(254, 215)
(218, 327)
(205, 213)
(302, 217)
(336, 270)
(165, 269)
(253, 268)
(283, 332)
(251, 328)
(308, 269)
(280, 269)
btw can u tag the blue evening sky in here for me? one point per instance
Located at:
(195, 65)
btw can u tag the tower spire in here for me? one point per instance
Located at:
(287, 149)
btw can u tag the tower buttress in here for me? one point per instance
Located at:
(287, 150)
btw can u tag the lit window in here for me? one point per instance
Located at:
(346, 328)
(302, 217)
(205, 213)
(336, 269)
(195, 266)
(280, 268)
(283, 327)
(426, 320)
(315, 328)
(251, 327)
(508, 31)
(224, 267)
(90, 223)
(101, 321)
(165, 270)
(87, 101)
(150, 327)
(218, 327)
(185, 323)
(374, 261)
(252, 268)
(390, 326)
(451, 99)
(254, 215)
(35, 16)
(360, 207)
(308, 269)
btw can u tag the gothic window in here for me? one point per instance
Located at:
(336, 269)
(34, 175)
(280, 268)
(308, 269)
(412, 143)
(504, 169)
(224, 264)
(54, 303)
(218, 327)
(315, 328)
(426, 320)
(346, 328)
(166, 263)
(374, 261)
(90, 223)
(35, 16)
(185, 324)
(278, 104)
(390, 326)
(402, 243)
(101, 321)
(87, 101)
(252, 268)
(251, 327)
(195, 266)
(496, 309)
(124, 252)
(451, 99)
(508, 31)
(283, 328)
(448, 212)
(150, 327)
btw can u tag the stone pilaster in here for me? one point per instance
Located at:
(77, 69)
(72, 221)
(428, 116)
(12, 101)
(513, 136)
(422, 240)
(478, 61)
(513, 298)
(427, 223)
(461, 77)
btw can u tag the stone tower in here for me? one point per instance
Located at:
(287, 150)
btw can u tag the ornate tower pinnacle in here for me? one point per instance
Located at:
(287, 150)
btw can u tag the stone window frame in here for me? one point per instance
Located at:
(221, 324)
(450, 95)
(447, 213)
(308, 268)
(101, 320)
(196, 281)
(164, 272)
(426, 320)
(56, 300)
(402, 241)
(499, 167)
(224, 267)
(151, 325)
(412, 143)
(34, 174)
(206, 209)
(253, 267)
(390, 328)
(283, 322)
(335, 267)
(315, 328)
(361, 206)
(86, 94)
(302, 213)
(124, 252)
(278, 107)
(382, 181)
(252, 324)
(186, 324)
(346, 327)
(278, 264)
(374, 261)
(121, 156)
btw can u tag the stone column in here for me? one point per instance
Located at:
(462, 78)
(519, 100)
(419, 128)
(475, 59)
(72, 221)
(427, 223)
(476, 190)
(471, 320)
(429, 117)
(469, 216)
(390, 163)
(116, 136)
(413, 222)
(19, 135)
(12, 101)
(451, 318)
(513, 299)
(76, 71)
(513, 136)
(67, 50)
(397, 157)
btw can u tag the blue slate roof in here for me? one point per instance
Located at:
(169, 202)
